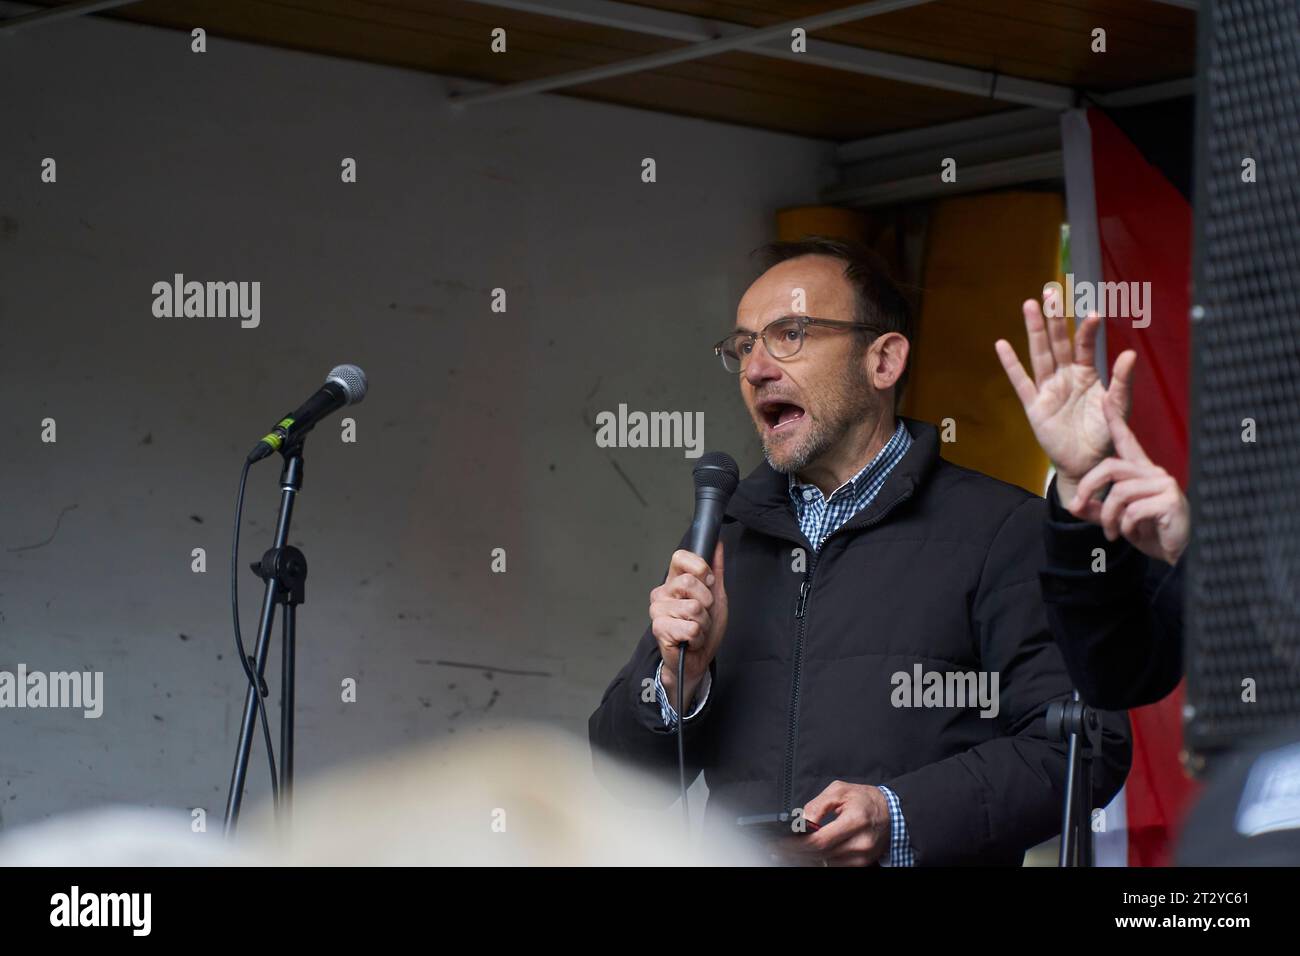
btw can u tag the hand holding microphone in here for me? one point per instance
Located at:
(689, 610)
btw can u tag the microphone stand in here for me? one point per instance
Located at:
(283, 568)
(1076, 721)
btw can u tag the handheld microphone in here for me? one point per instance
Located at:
(716, 477)
(345, 385)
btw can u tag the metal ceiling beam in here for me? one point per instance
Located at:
(62, 12)
(1005, 172)
(710, 37)
(878, 166)
(621, 16)
(930, 73)
(699, 31)
(684, 28)
(944, 134)
(1151, 93)
(1003, 149)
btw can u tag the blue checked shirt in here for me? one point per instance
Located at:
(819, 517)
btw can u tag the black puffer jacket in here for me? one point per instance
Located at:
(1121, 632)
(940, 570)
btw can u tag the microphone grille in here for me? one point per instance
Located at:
(718, 470)
(352, 379)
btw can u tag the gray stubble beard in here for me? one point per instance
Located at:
(853, 401)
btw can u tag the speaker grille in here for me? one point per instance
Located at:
(1243, 611)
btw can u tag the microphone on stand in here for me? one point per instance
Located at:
(345, 385)
(283, 570)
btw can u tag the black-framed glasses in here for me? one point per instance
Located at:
(782, 338)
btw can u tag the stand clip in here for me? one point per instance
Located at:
(288, 566)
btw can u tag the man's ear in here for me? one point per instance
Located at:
(887, 359)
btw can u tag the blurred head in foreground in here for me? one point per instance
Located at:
(519, 797)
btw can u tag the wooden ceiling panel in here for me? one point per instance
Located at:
(1045, 40)
(1048, 40)
(789, 97)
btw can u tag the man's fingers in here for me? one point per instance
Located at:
(1058, 336)
(692, 621)
(835, 834)
(675, 631)
(818, 807)
(1085, 339)
(683, 609)
(1119, 397)
(681, 614)
(684, 562)
(1040, 349)
(1122, 494)
(825, 802)
(1120, 391)
(687, 586)
(830, 800)
(1144, 509)
(1107, 471)
(1126, 443)
(1026, 391)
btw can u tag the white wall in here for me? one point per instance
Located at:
(476, 435)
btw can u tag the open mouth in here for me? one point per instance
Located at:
(779, 415)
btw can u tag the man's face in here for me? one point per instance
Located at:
(804, 405)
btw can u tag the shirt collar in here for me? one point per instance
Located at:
(869, 471)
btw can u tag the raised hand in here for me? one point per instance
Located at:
(1065, 401)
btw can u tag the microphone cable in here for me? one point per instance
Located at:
(257, 684)
(681, 734)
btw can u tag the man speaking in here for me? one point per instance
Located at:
(869, 644)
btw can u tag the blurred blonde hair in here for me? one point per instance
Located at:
(523, 796)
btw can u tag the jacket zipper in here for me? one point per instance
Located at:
(801, 615)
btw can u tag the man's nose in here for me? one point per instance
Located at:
(761, 367)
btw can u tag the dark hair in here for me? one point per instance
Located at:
(879, 299)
